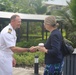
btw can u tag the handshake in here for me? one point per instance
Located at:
(40, 47)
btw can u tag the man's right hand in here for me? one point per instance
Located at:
(33, 49)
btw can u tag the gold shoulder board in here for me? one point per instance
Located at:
(9, 30)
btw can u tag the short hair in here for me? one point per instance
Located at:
(50, 20)
(13, 17)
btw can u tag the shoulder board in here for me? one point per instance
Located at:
(9, 30)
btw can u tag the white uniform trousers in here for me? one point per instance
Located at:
(5, 64)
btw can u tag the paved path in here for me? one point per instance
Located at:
(26, 71)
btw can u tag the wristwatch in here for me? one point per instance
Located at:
(28, 50)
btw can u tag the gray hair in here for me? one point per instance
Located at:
(50, 21)
(13, 17)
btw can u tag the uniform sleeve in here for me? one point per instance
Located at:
(9, 39)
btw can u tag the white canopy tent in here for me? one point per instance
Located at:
(7, 15)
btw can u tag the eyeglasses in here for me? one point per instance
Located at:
(45, 24)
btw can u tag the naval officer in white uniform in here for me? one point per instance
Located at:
(8, 45)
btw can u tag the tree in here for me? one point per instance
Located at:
(72, 36)
(23, 6)
(5, 5)
(72, 6)
(39, 8)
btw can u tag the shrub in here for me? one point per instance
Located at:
(27, 58)
(72, 37)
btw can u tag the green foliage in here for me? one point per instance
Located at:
(72, 37)
(23, 6)
(68, 23)
(72, 6)
(34, 30)
(5, 5)
(30, 43)
(64, 33)
(27, 58)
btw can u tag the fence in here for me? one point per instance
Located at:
(70, 65)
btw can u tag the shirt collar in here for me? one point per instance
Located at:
(11, 26)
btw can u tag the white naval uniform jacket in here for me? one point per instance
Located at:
(7, 40)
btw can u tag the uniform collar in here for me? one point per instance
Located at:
(11, 26)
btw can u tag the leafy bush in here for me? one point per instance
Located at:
(27, 58)
(30, 43)
(72, 37)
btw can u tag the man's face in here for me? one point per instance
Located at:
(17, 22)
